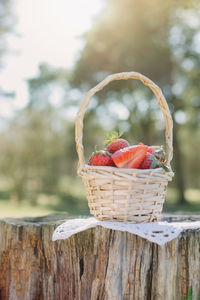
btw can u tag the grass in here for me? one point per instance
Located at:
(73, 202)
(192, 205)
(190, 295)
(8, 210)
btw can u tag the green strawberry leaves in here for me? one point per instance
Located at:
(155, 160)
(160, 154)
(112, 136)
(96, 151)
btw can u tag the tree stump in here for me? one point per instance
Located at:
(95, 264)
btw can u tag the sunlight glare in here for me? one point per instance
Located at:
(47, 31)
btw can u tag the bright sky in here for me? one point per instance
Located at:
(49, 31)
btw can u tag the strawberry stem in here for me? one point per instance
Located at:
(112, 136)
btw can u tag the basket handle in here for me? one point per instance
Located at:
(124, 75)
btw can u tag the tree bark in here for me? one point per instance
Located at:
(95, 264)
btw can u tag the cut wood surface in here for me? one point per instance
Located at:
(95, 264)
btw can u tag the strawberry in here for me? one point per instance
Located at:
(101, 158)
(159, 154)
(130, 157)
(115, 142)
(151, 149)
(151, 161)
(157, 151)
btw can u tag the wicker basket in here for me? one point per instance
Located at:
(126, 195)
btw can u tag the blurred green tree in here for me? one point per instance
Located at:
(33, 146)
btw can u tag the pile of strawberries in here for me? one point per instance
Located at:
(120, 154)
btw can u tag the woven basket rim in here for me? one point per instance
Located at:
(125, 170)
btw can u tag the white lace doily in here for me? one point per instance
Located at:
(159, 233)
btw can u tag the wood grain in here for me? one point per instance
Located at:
(96, 264)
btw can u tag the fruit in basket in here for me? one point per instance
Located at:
(135, 157)
(115, 142)
(157, 151)
(149, 162)
(154, 159)
(159, 154)
(101, 158)
(130, 157)
(151, 149)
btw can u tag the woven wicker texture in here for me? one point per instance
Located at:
(127, 195)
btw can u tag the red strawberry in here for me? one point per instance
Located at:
(152, 162)
(157, 151)
(101, 158)
(115, 143)
(151, 149)
(159, 154)
(130, 157)
(147, 162)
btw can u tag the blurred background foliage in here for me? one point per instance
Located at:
(160, 39)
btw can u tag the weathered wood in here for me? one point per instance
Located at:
(96, 264)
